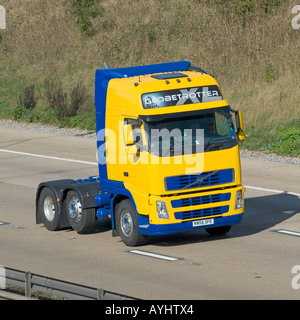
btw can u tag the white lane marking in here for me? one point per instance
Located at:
(48, 157)
(273, 190)
(291, 233)
(154, 255)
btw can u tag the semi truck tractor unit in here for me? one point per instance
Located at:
(168, 158)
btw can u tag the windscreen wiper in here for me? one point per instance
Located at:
(210, 144)
(199, 180)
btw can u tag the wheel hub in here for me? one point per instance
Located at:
(49, 208)
(74, 209)
(126, 223)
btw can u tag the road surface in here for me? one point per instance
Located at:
(254, 261)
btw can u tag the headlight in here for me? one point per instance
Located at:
(238, 200)
(162, 212)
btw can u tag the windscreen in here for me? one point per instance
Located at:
(188, 133)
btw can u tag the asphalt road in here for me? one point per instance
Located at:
(254, 261)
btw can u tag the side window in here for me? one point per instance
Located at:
(132, 132)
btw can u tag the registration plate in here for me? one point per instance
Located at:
(204, 222)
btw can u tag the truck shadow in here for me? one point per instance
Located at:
(261, 213)
(101, 226)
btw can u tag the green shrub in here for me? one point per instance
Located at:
(270, 5)
(27, 99)
(243, 8)
(26, 103)
(287, 141)
(78, 97)
(63, 105)
(19, 111)
(57, 98)
(269, 73)
(84, 11)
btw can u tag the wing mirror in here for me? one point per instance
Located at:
(239, 125)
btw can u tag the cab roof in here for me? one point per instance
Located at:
(159, 75)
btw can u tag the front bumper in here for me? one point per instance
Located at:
(215, 206)
(147, 228)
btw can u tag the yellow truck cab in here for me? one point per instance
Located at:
(168, 157)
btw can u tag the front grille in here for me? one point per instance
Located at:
(201, 213)
(194, 201)
(190, 181)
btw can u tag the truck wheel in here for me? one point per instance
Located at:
(127, 224)
(48, 209)
(81, 220)
(217, 231)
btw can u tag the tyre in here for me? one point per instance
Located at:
(81, 220)
(127, 224)
(48, 209)
(217, 231)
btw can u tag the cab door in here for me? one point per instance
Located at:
(133, 155)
